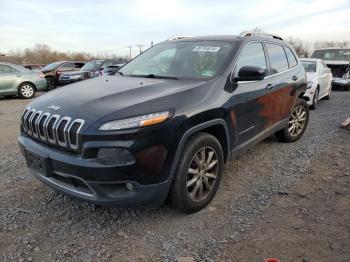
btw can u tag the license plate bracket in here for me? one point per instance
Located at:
(38, 163)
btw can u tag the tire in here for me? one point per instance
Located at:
(327, 97)
(288, 134)
(315, 99)
(51, 83)
(196, 181)
(26, 91)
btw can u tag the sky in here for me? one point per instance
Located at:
(109, 27)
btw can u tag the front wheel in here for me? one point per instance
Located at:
(26, 90)
(297, 123)
(198, 173)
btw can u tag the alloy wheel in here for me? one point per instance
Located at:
(202, 174)
(27, 91)
(297, 121)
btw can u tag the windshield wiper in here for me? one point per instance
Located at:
(120, 73)
(156, 76)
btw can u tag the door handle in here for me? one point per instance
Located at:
(294, 78)
(269, 86)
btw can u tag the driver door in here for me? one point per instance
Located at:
(254, 102)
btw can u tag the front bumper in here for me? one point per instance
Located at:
(62, 82)
(89, 180)
(309, 95)
(341, 82)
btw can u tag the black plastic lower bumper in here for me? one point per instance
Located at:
(61, 171)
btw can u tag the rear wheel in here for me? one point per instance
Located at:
(198, 173)
(297, 123)
(26, 90)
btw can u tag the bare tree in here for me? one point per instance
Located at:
(299, 46)
(43, 54)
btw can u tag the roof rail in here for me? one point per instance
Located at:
(254, 33)
(177, 37)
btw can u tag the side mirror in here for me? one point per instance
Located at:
(250, 73)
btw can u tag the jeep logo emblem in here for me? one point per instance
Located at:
(54, 107)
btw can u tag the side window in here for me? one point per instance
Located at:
(67, 67)
(252, 55)
(5, 69)
(277, 57)
(291, 58)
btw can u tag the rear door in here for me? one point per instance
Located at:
(253, 100)
(285, 75)
(8, 79)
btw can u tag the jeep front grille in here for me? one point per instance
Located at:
(52, 128)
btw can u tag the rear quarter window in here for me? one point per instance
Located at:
(278, 59)
(292, 61)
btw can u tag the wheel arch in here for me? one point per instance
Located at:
(216, 127)
(27, 82)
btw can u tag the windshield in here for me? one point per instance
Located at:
(332, 54)
(91, 66)
(52, 66)
(203, 59)
(310, 66)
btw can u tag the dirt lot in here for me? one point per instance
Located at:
(290, 201)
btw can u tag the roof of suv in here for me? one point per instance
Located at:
(226, 38)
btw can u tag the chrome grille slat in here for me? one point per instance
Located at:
(30, 127)
(35, 124)
(52, 129)
(63, 143)
(71, 144)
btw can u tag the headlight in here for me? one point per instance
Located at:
(309, 84)
(134, 122)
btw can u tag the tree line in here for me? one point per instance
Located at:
(43, 54)
(304, 49)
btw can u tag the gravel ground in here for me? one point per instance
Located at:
(39, 224)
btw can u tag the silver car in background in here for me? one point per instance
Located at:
(18, 80)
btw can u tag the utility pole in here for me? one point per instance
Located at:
(140, 48)
(130, 52)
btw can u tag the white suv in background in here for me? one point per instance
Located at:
(319, 80)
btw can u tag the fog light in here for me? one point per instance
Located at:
(129, 186)
(115, 156)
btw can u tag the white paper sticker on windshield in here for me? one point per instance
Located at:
(206, 49)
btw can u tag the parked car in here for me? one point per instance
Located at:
(53, 71)
(17, 80)
(338, 60)
(166, 123)
(111, 70)
(89, 70)
(33, 66)
(319, 81)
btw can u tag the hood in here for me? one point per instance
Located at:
(311, 76)
(335, 62)
(118, 96)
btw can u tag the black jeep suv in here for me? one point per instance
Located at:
(164, 125)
